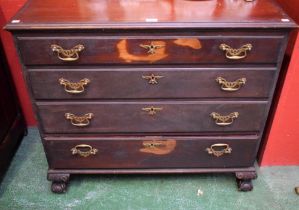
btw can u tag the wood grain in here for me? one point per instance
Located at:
(126, 50)
(88, 14)
(127, 83)
(125, 153)
(129, 117)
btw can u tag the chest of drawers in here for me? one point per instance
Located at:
(182, 87)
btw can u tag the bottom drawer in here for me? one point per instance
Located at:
(150, 152)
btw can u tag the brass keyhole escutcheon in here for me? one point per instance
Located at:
(152, 110)
(152, 144)
(151, 48)
(152, 79)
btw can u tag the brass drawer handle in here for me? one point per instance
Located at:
(235, 54)
(74, 87)
(224, 120)
(152, 110)
(219, 149)
(151, 48)
(152, 144)
(230, 86)
(84, 150)
(152, 79)
(67, 55)
(79, 121)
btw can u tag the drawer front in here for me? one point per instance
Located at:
(152, 50)
(145, 152)
(153, 117)
(151, 83)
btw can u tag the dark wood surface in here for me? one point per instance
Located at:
(176, 116)
(117, 49)
(69, 14)
(175, 152)
(128, 83)
(152, 171)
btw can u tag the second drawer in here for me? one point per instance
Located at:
(151, 117)
(151, 83)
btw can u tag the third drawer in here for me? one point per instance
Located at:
(152, 117)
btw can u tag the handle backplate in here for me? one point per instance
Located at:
(224, 120)
(67, 55)
(219, 149)
(230, 86)
(79, 121)
(235, 54)
(84, 150)
(74, 87)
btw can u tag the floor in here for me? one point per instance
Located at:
(25, 187)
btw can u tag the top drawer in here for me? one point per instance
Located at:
(86, 50)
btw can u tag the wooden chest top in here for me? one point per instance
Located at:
(107, 14)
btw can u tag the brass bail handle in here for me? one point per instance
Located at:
(230, 86)
(235, 54)
(219, 149)
(74, 87)
(152, 47)
(67, 55)
(79, 121)
(224, 120)
(83, 150)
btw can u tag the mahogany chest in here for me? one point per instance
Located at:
(151, 86)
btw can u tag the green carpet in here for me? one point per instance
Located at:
(25, 187)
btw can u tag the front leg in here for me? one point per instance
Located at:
(59, 182)
(244, 180)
